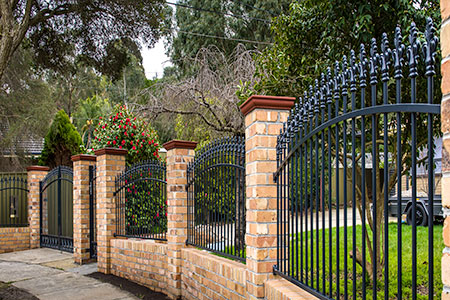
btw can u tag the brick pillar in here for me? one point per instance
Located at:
(110, 162)
(445, 121)
(264, 117)
(179, 154)
(81, 224)
(35, 175)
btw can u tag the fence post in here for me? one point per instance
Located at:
(110, 162)
(35, 175)
(81, 230)
(264, 117)
(179, 154)
(445, 121)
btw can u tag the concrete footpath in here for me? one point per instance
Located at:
(51, 275)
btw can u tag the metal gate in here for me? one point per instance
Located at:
(92, 211)
(56, 209)
(361, 131)
(216, 198)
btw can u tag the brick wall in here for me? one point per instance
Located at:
(208, 276)
(14, 239)
(141, 261)
(277, 289)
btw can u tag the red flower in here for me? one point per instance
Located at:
(125, 133)
(128, 119)
(124, 127)
(131, 142)
(123, 142)
(109, 142)
(143, 134)
(100, 118)
(120, 147)
(132, 134)
(134, 147)
(114, 142)
(157, 214)
(120, 126)
(103, 126)
(134, 126)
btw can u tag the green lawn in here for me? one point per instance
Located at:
(405, 269)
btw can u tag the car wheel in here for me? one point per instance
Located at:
(421, 216)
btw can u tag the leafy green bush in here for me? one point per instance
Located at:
(61, 142)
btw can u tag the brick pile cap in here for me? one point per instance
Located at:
(38, 168)
(111, 151)
(178, 144)
(84, 157)
(267, 102)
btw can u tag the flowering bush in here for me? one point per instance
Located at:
(123, 130)
(145, 201)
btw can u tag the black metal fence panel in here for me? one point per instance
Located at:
(141, 201)
(216, 198)
(93, 211)
(343, 154)
(56, 209)
(13, 200)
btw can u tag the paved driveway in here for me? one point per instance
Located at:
(51, 275)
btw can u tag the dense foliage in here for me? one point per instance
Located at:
(58, 30)
(61, 142)
(145, 200)
(199, 23)
(316, 33)
(123, 130)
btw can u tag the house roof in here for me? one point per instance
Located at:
(23, 143)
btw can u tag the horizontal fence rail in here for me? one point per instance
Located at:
(13, 200)
(216, 198)
(141, 201)
(347, 147)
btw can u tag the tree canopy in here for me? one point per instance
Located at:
(224, 24)
(316, 33)
(96, 31)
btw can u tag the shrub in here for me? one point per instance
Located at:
(61, 142)
(123, 130)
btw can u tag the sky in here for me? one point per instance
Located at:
(155, 60)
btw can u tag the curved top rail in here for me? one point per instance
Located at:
(140, 166)
(63, 169)
(219, 151)
(371, 110)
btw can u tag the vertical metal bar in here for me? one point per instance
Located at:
(59, 209)
(322, 183)
(430, 72)
(363, 167)
(40, 213)
(344, 154)
(336, 99)
(353, 89)
(398, 58)
(91, 210)
(413, 74)
(277, 179)
(373, 88)
(385, 62)
(330, 216)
